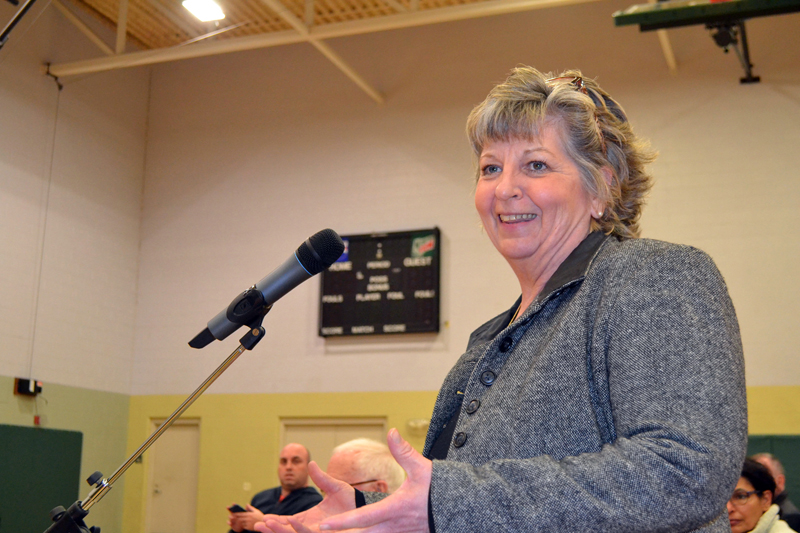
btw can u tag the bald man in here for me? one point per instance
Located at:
(367, 465)
(292, 497)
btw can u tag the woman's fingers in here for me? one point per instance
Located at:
(326, 483)
(274, 524)
(298, 526)
(406, 456)
(366, 516)
(406, 510)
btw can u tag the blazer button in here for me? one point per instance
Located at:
(487, 378)
(460, 439)
(506, 344)
(473, 406)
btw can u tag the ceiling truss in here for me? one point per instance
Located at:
(261, 24)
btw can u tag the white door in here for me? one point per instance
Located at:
(174, 460)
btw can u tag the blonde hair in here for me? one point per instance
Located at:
(595, 133)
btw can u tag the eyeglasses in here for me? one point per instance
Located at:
(580, 86)
(364, 482)
(740, 497)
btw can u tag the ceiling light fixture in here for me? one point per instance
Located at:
(205, 10)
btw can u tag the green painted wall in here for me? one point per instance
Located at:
(102, 417)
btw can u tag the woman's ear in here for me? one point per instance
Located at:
(766, 500)
(598, 206)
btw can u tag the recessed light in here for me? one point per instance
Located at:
(205, 10)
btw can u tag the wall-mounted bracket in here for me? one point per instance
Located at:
(725, 18)
(728, 35)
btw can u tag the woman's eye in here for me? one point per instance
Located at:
(537, 166)
(489, 170)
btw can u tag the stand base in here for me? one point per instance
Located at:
(71, 520)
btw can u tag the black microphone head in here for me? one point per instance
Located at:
(320, 251)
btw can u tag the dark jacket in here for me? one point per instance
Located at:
(268, 501)
(615, 403)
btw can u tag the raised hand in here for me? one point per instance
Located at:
(405, 511)
(339, 498)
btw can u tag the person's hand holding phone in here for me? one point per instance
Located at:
(242, 519)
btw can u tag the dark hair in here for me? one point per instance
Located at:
(759, 476)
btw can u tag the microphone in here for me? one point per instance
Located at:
(316, 254)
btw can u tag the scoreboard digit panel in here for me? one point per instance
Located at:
(384, 283)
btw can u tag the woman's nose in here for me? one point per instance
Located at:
(507, 186)
(730, 507)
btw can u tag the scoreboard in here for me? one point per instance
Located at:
(384, 283)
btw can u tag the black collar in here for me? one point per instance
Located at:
(574, 266)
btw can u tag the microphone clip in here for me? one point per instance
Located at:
(248, 307)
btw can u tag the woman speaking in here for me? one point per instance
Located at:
(610, 396)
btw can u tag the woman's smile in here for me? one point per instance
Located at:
(516, 219)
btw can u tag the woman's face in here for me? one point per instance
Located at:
(744, 516)
(531, 199)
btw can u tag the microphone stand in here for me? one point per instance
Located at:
(71, 520)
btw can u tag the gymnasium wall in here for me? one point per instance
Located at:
(135, 204)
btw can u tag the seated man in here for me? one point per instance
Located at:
(293, 496)
(367, 465)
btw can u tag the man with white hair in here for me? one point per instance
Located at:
(367, 465)
(788, 511)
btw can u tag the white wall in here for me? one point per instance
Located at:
(71, 175)
(251, 153)
(248, 154)
(71, 178)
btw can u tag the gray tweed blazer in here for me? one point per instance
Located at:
(615, 403)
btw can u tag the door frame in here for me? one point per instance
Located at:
(329, 421)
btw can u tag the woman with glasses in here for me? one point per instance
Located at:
(610, 396)
(750, 508)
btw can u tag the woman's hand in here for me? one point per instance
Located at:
(339, 498)
(405, 511)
